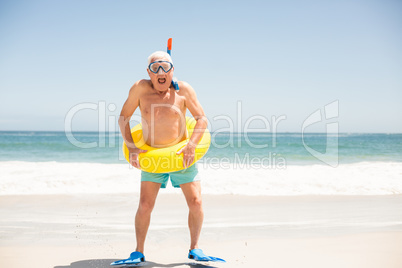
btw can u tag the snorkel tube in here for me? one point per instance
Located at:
(169, 51)
(169, 46)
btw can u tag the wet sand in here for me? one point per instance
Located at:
(299, 231)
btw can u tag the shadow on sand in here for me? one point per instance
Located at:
(106, 264)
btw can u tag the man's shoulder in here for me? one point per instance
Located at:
(140, 86)
(142, 83)
(185, 88)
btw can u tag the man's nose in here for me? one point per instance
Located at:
(160, 71)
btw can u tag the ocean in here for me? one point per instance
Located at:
(39, 162)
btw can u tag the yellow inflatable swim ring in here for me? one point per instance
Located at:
(163, 160)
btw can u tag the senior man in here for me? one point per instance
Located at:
(163, 112)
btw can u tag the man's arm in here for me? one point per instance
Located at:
(197, 111)
(129, 107)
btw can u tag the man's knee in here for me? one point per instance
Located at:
(146, 206)
(195, 204)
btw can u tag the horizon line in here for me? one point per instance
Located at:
(224, 132)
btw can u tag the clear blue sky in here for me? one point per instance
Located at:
(276, 57)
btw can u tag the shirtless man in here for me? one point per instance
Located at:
(163, 112)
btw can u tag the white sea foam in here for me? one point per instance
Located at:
(366, 178)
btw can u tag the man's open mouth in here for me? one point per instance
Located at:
(161, 80)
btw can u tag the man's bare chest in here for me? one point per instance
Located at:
(171, 103)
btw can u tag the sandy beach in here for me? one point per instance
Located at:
(302, 101)
(61, 231)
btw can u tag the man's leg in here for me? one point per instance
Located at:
(149, 192)
(192, 192)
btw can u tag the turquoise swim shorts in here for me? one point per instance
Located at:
(178, 177)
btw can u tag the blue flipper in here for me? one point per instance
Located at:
(135, 258)
(198, 255)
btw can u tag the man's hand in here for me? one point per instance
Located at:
(134, 156)
(188, 153)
